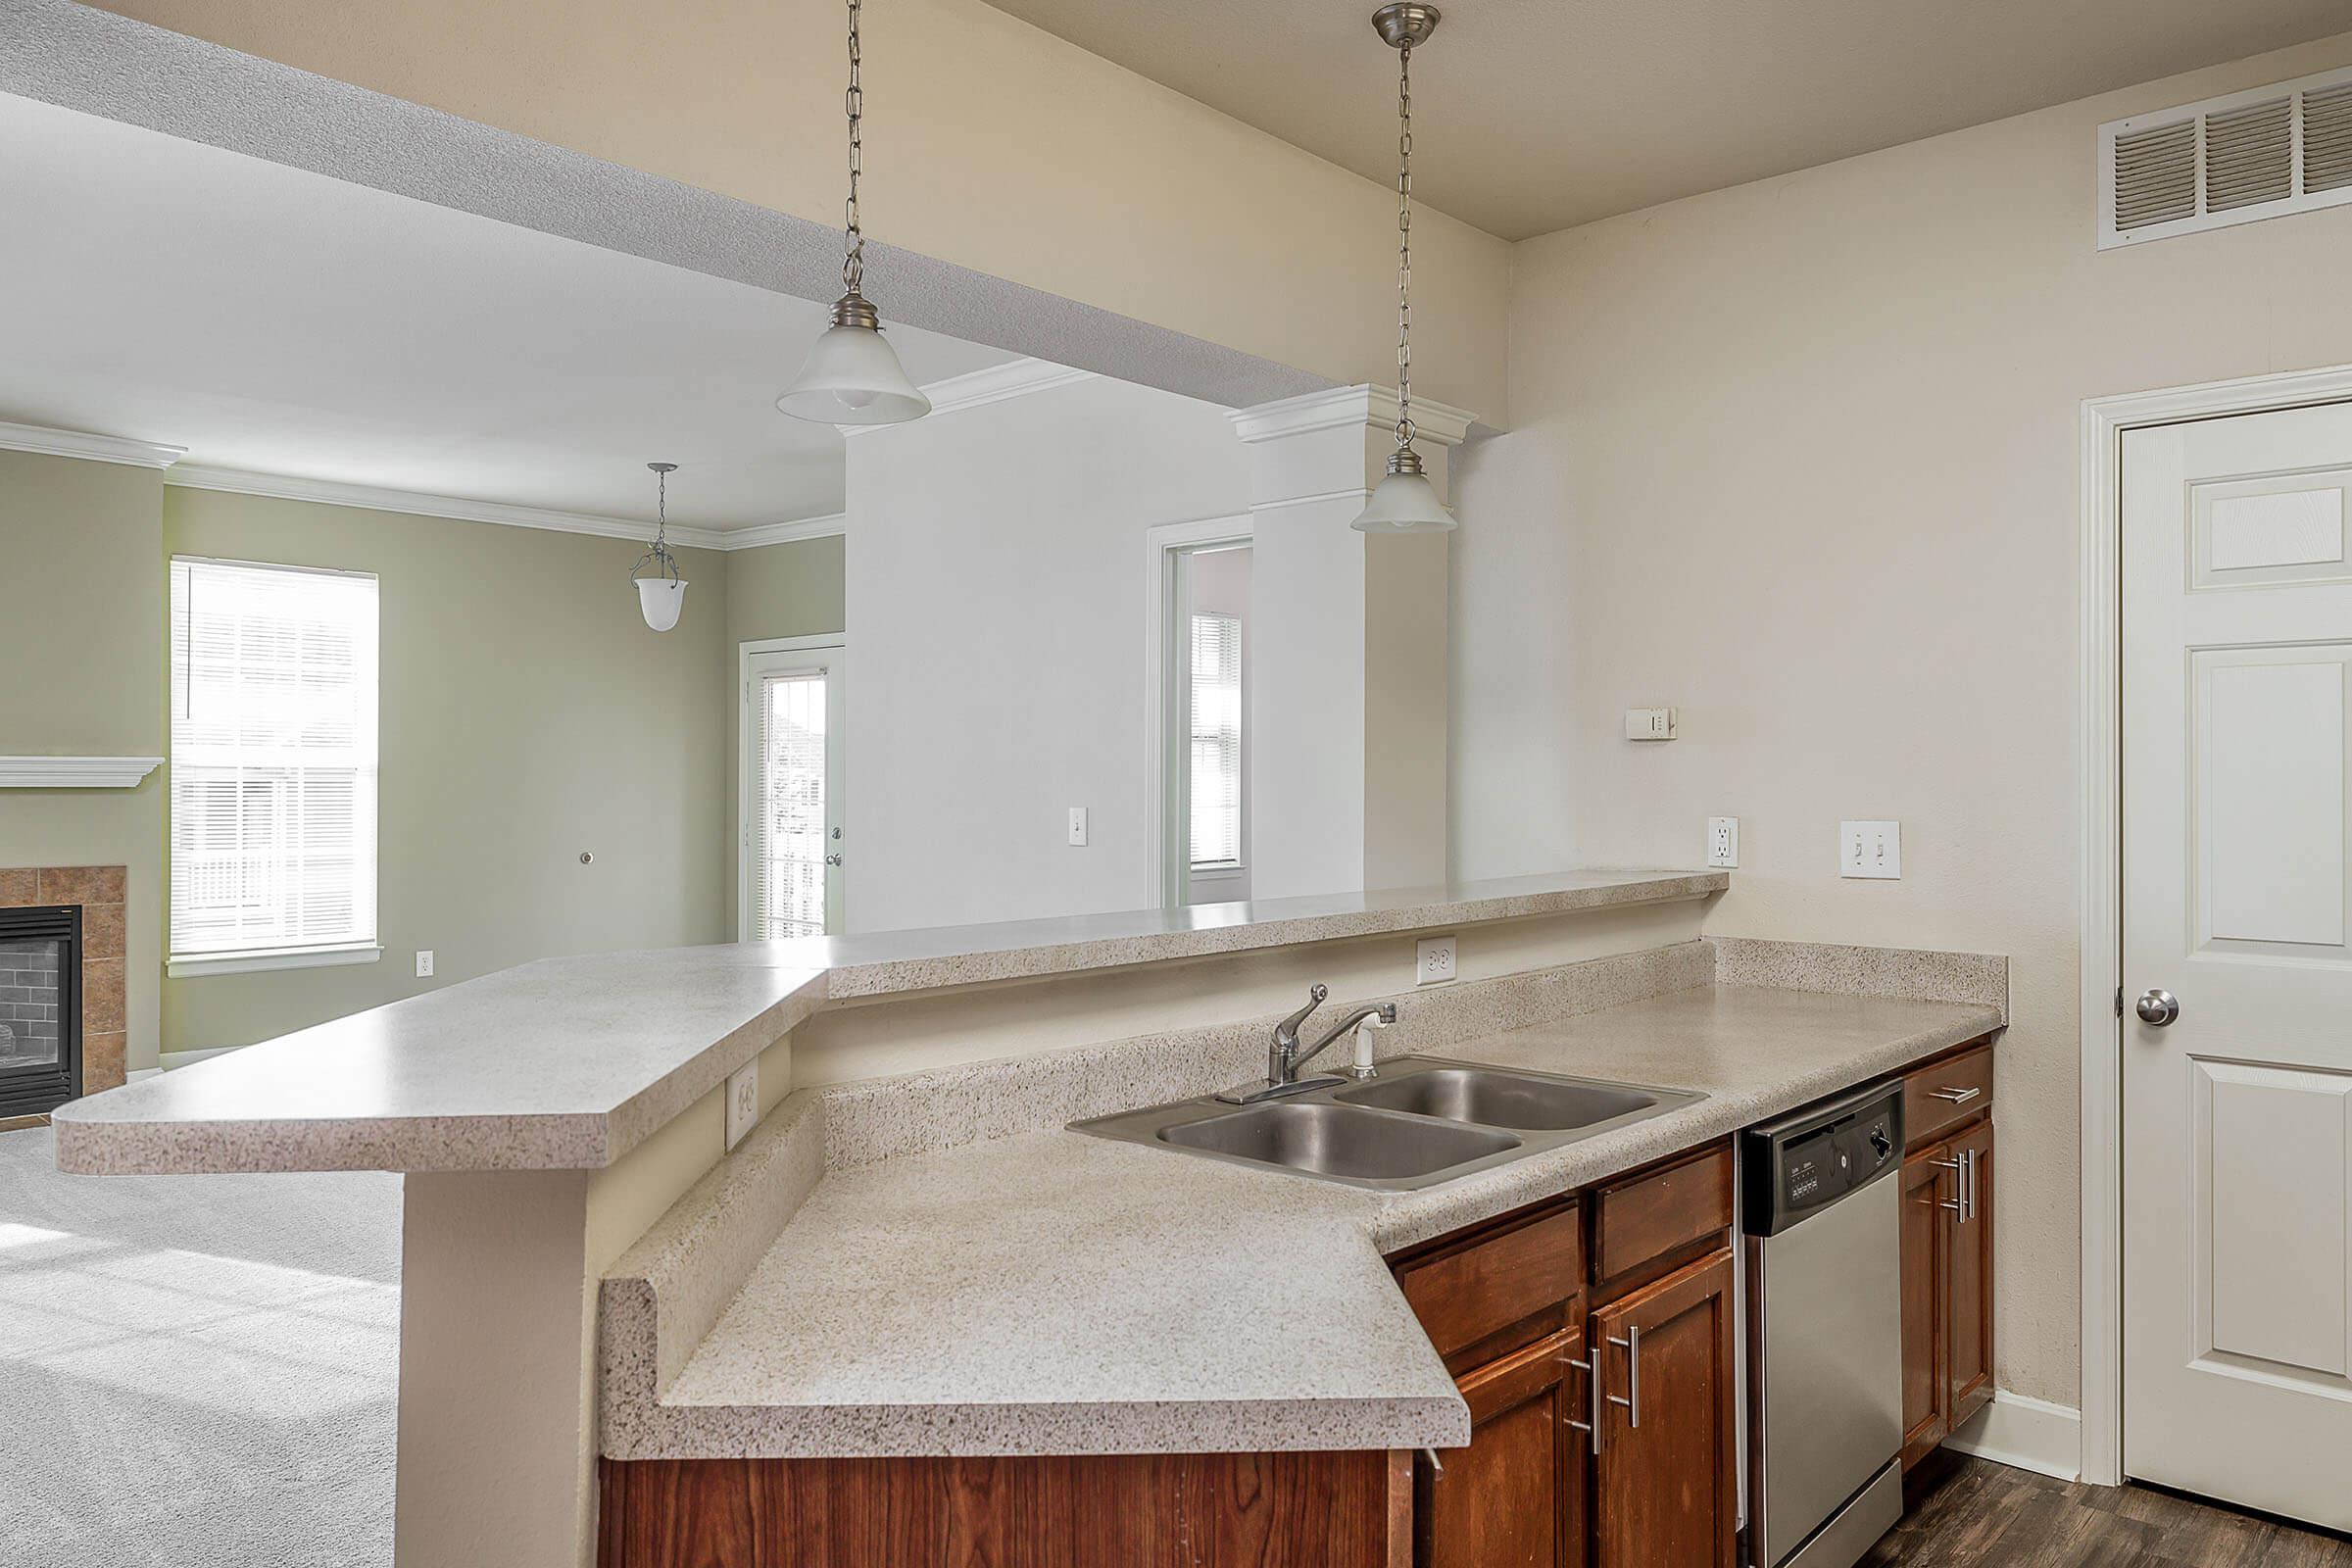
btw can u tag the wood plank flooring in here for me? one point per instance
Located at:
(1971, 1513)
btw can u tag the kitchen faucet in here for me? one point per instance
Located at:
(1284, 1058)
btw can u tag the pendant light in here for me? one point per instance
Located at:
(661, 595)
(1405, 501)
(851, 376)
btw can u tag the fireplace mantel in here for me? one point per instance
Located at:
(74, 772)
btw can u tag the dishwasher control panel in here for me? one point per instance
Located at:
(1807, 1160)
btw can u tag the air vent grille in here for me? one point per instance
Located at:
(2273, 150)
(2328, 139)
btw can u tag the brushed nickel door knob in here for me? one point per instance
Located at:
(2158, 1007)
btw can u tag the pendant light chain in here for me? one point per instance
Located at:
(853, 265)
(1404, 246)
(661, 515)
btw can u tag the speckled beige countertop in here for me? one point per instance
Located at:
(567, 1063)
(1052, 1293)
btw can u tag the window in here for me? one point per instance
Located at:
(1216, 742)
(274, 767)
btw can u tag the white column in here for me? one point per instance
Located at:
(1348, 647)
(497, 1446)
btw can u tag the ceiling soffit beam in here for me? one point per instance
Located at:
(81, 58)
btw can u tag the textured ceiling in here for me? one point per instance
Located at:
(1536, 114)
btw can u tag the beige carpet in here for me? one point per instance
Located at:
(195, 1370)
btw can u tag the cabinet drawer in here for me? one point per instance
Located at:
(1518, 1278)
(1947, 1091)
(1642, 1219)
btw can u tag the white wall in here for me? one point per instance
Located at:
(1801, 458)
(995, 601)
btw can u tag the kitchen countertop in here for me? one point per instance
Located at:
(567, 1063)
(1052, 1293)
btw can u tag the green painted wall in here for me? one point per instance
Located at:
(82, 672)
(526, 714)
(788, 590)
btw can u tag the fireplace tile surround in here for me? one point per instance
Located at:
(100, 891)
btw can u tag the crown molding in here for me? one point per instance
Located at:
(783, 533)
(75, 772)
(1372, 407)
(53, 443)
(1015, 378)
(415, 502)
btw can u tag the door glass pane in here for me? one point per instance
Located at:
(791, 859)
(1216, 741)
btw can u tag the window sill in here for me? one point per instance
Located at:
(182, 966)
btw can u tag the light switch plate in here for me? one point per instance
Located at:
(1650, 723)
(1872, 851)
(1433, 962)
(1078, 826)
(425, 963)
(742, 1102)
(1723, 841)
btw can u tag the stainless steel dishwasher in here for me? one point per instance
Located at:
(1824, 1326)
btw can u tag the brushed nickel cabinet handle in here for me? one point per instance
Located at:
(1632, 1345)
(1589, 1366)
(1957, 1096)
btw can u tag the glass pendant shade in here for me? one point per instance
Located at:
(660, 599)
(1405, 501)
(853, 376)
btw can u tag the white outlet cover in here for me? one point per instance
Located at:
(1433, 962)
(1723, 842)
(1871, 851)
(742, 1102)
(425, 963)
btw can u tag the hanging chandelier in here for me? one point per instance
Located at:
(1405, 501)
(661, 593)
(851, 376)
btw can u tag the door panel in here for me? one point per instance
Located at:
(1514, 1496)
(1969, 1221)
(2237, 877)
(1926, 1271)
(1664, 1487)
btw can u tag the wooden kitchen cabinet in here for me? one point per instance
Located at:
(1946, 1249)
(1514, 1498)
(1664, 1491)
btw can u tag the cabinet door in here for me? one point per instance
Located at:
(1968, 1331)
(1663, 1491)
(1927, 1270)
(1514, 1496)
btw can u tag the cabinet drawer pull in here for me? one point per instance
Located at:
(1590, 1366)
(1436, 1465)
(1632, 1345)
(1966, 1165)
(1959, 1097)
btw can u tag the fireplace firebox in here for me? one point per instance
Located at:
(40, 1008)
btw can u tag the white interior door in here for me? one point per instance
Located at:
(793, 855)
(2237, 1114)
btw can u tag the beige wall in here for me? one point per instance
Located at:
(787, 590)
(527, 715)
(82, 649)
(988, 143)
(1801, 458)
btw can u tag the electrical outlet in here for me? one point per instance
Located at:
(425, 963)
(1723, 841)
(1078, 826)
(743, 1101)
(1873, 850)
(1433, 962)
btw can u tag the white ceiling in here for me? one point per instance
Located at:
(1531, 115)
(274, 319)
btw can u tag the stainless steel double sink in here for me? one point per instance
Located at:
(1423, 1121)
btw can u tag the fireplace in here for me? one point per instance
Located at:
(40, 1008)
(63, 1008)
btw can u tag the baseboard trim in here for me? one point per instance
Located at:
(170, 1059)
(2025, 1434)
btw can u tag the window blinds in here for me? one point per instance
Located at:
(1216, 730)
(788, 852)
(273, 758)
